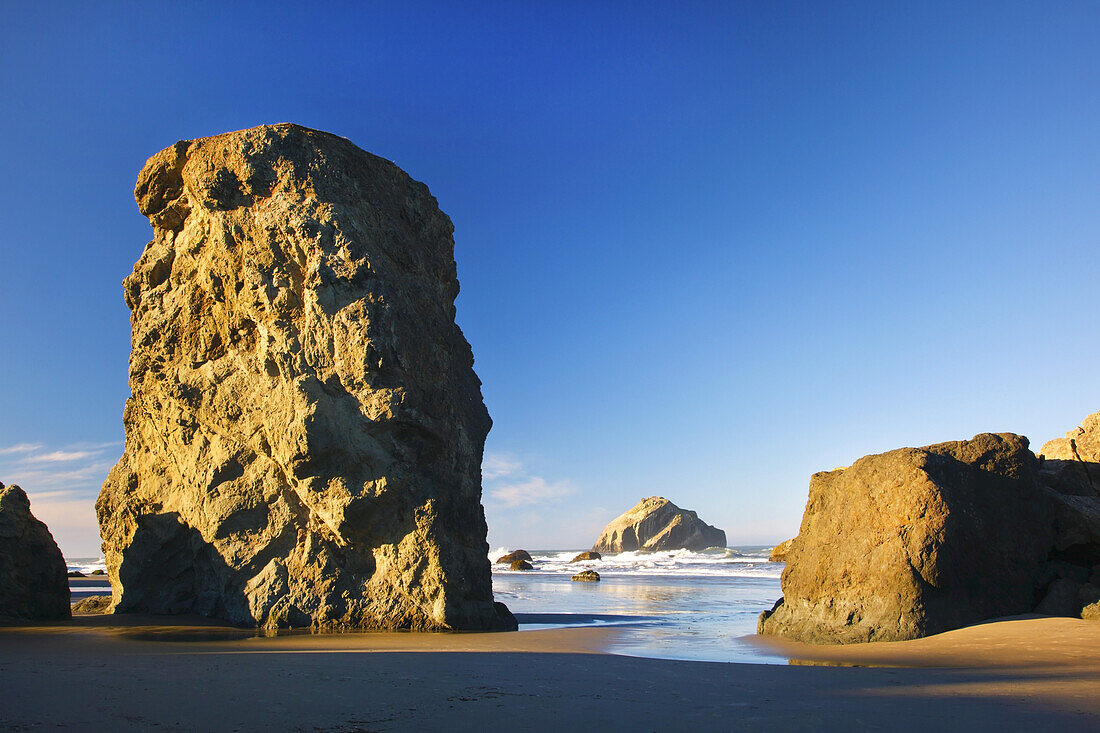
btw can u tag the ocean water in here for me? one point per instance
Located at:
(90, 585)
(667, 605)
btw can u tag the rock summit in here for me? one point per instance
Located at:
(655, 523)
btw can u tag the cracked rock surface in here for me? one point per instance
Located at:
(305, 432)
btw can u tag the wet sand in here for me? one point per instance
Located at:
(140, 673)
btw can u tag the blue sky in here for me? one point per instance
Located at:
(706, 249)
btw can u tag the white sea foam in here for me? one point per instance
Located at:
(735, 562)
(86, 565)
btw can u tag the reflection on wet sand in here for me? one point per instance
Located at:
(673, 617)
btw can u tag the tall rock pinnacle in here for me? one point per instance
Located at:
(305, 431)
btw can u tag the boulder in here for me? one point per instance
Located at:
(588, 555)
(1061, 599)
(99, 572)
(92, 604)
(520, 565)
(33, 576)
(586, 576)
(75, 574)
(1070, 598)
(513, 556)
(779, 552)
(917, 541)
(1076, 527)
(655, 523)
(305, 431)
(1071, 465)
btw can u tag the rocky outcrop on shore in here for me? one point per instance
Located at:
(305, 432)
(587, 576)
(780, 551)
(1071, 475)
(34, 584)
(93, 605)
(916, 541)
(922, 540)
(655, 523)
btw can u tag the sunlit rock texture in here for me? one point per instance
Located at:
(1071, 465)
(917, 541)
(33, 581)
(305, 431)
(655, 523)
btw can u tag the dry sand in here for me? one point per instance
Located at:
(135, 673)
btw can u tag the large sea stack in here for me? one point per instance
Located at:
(305, 432)
(917, 541)
(655, 523)
(33, 582)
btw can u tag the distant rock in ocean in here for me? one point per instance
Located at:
(587, 555)
(305, 432)
(513, 556)
(34, 584)
(915, 542)
(655, 523)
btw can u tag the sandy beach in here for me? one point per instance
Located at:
(138, 673)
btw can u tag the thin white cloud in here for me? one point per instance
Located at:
(509, 485)
(61, 456)
(496, 465)
(532, 490)
(88, 477)
(20, 448)
(94, 446)
(62, 483)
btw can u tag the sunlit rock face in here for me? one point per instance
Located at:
(1071, 465)
(33, 582)
(305, 431)
(655, 523)
(917, 541)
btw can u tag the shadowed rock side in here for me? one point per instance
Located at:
(305, 432)
(655, 523)
(915, 542)
(34, 584)
(1071, 474)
